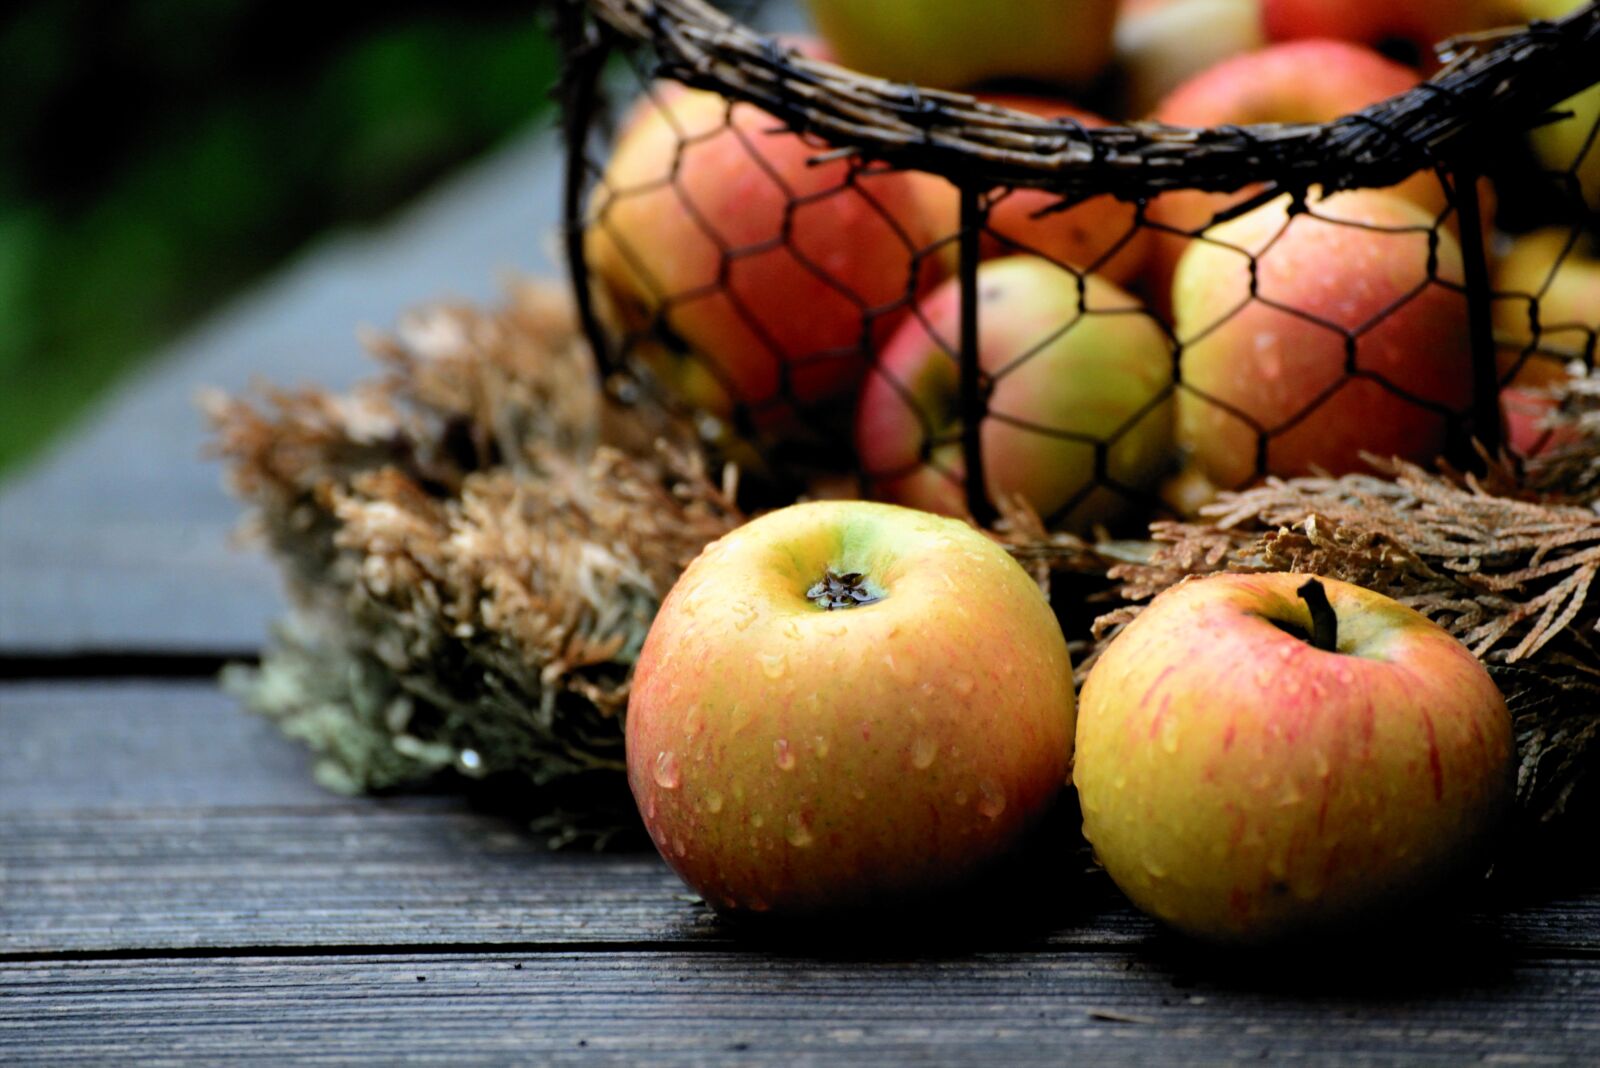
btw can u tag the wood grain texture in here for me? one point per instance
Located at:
(717, 1007)
(151, 818)
(99, 745)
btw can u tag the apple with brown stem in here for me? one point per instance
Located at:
(1264, 756)
(844, 704)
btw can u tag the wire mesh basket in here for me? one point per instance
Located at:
(964, 303)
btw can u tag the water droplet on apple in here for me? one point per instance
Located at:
(783, 755)
(900, 669)
(1291, 795)
(757, 819)
(820, 745)
(1278, 866)
(678, 847)
(773, 666)
(1319, 763)
(667, 770)
(923, 750)
(744, 614)
(650, 809)
(693, 721)
(1120, 781)
(1154, 868)
(962, 683)
(1169, 733)
(713, 802)
(858, 793)
(799, 833)
(961, 797)
(791, 629)
(1345, 677)
(991, 799)
(1285, 651)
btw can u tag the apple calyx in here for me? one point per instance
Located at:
(837, 591)
(1324, 621)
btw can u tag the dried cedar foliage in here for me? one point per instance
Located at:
(475, 546)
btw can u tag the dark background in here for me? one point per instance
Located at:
(157, 155)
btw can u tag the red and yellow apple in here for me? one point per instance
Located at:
(1302, 81)
(844, 704)
(1078, 416)
(1412, 25)
(762, 278)
(1163, 43)
(954, 44)
(1335, 343)
(1245, 778)
(1101, 234)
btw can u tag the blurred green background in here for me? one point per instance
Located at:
(157, 155)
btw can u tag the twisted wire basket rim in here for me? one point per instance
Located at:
(1492, 84)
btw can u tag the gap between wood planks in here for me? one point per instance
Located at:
(110, 665)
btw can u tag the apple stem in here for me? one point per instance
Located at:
(837, 591)
(1324, 621)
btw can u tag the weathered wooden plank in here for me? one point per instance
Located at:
(144, 745)
(635, 1007)
(118, 538)
(157, 816)
(381, 876)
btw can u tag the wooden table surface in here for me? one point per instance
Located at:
(173, 886)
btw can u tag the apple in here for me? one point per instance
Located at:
(1100, 234)
(770, 275)
(844, 704)
(1077, 369)
(1410, 28)
(1343, 288)
(1301, 81)
(954, 44)
(1547, 305)
(1160, 45)
(1523, 411)
(1259, 756)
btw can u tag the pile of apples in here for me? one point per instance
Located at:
(846, 704)
(797, 299)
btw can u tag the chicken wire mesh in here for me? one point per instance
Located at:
(960, 304)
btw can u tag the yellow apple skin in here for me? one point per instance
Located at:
(796, 760)
(1160, 45)
(1564, 283)
(953, 44)
(1243, 786)
(1063, 381)
(773, 274)
(1277, 366)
